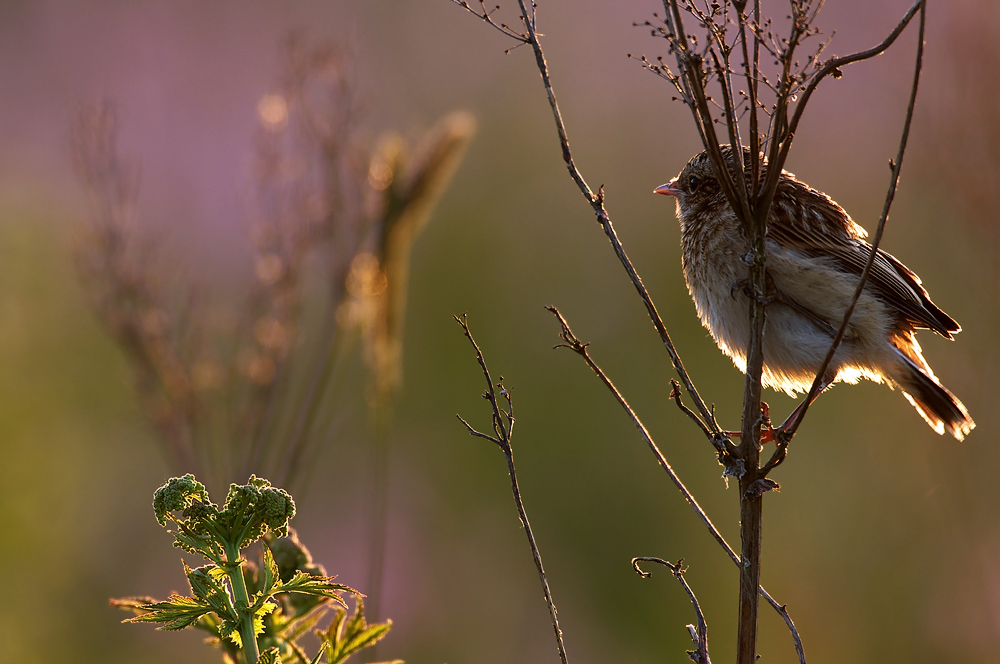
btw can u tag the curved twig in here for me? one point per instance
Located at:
(700, 634)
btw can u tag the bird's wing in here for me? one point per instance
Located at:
(815, 225)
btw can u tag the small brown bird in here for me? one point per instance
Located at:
(814, 256)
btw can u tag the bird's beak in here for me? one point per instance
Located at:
(669, 189)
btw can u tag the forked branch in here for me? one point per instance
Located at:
(503, 425)
(574, 344)
(596, 201)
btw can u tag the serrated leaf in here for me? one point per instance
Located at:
(368, 636)
(322, 586)
(258, 616)
(204, 582)
(337, 625)
(175, 613)
(270, 570)
(133, 604)
(343, 639)
(230, 629)
(270, 656)
(212, 624)
(296, 627)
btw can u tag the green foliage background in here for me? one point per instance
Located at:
(882, 541)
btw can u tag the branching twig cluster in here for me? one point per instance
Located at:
(572, 343)
(725, 51)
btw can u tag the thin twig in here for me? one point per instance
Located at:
(596, 202)
(895, 166)
(487, 16)
(675, 394)
(700, 634)
(580, 348)
(832, 67)
(503, 424)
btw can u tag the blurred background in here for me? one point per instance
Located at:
(884, 538)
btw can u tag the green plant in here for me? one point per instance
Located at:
(254, 612)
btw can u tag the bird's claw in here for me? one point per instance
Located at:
(768, 434)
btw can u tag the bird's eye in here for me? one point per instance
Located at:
(693, 183)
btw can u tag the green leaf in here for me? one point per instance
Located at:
(270, 569)
(369, 635)
(205, 585)
(133, 604)
(296, 627)
(258, 616)
(196, 536)
(230, 629)
(322, 586)
(270, 656)
(341, 640)
(175, 613)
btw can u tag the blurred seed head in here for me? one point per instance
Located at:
(330, 202)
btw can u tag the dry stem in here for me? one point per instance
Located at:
(503, 425)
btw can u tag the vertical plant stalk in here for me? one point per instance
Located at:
(580, 348)
(741, 200)
(751, 201)
(242, 601)
(749, 209)
(503, 426)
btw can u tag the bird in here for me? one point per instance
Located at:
(814, 255)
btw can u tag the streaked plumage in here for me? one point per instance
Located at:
(815, 254)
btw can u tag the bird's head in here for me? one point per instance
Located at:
(697, 187)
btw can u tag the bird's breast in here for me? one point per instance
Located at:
(715, 274)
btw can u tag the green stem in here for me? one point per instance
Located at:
(235, 572)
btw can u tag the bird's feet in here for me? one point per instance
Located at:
(768, 434)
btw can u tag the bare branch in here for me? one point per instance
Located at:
(487, 16)
(503, 441)
(700, 634)
(580, 348)
(596, 201)
(895, 166)
(675, 394)
(478, 434)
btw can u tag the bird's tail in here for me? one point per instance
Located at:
(940, 408)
